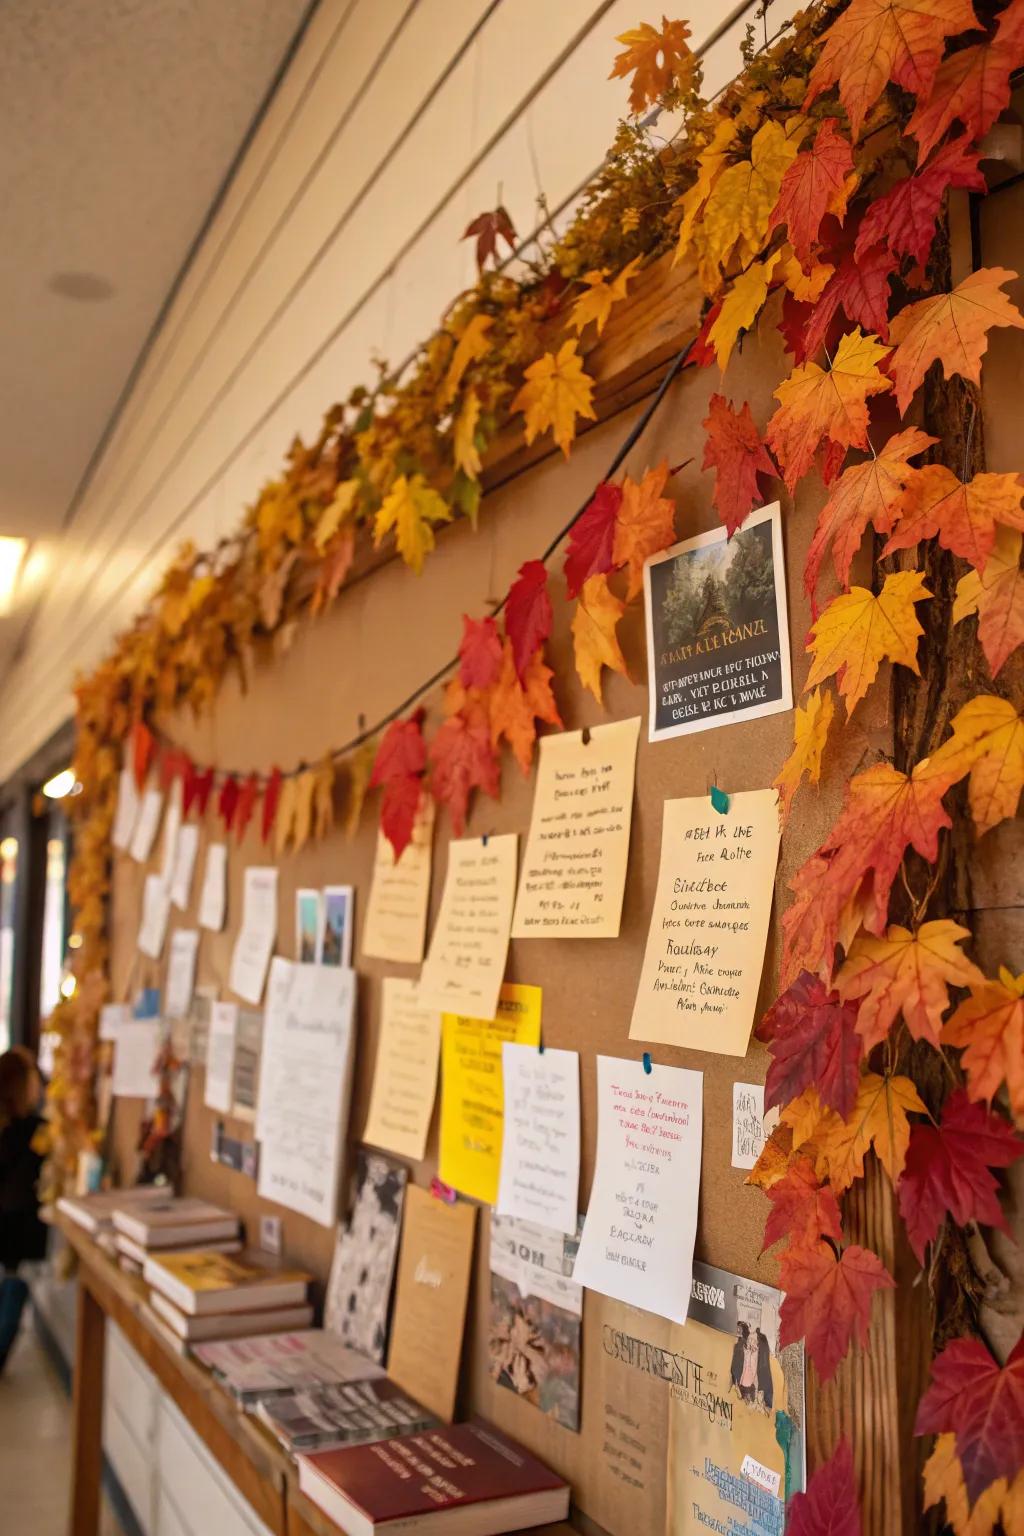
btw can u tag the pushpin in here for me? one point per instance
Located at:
(719, 799)
(647, 1062)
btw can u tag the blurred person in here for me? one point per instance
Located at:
(22, 1234)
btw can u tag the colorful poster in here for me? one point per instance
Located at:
(336, 935)
(308, 926)
(709, 924)
(536, 1311)
(717, 630)
(736, 1411)
(472, 1089)
(363, 1267)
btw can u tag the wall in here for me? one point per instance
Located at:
(337, 241)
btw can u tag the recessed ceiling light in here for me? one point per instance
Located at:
(87, 287)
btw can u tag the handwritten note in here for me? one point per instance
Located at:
(405, 1074)
(574, 868)
(642, 1220)
(434, 1266)
(396, 915)
(172, 826)
(146, 824)
(127, 809)
(214, 895)
(181, 972)
(184, 865)
(751, 1127)
(472, 1089)
(156, 909)
(705, 946)
(305, 1080)
(255, 942)
(464, 969)
(540, 1151)
(220, 1057)
(137, 1044)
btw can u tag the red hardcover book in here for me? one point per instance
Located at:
(467, 1479)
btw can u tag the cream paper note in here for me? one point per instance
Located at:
(540, 1150)
(181, 972)
(396, 915)
(464, 970)
(127, 809)
(146, 824)
(169, 837)
(256, 937)
(751, 1127)
(405, 1074)
(156, 909)
(184, 865)
(220, 1057)
(641, 1223)
(137, 1043)
(574, 867)
(705, 946)
(214, 895)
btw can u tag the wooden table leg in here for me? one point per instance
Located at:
(87, 1418)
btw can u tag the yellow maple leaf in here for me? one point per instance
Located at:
(737, 213)
(556, 391)
(908, 973)
(988, 743)
(595, 303)
(858, 630)
(817, 403)
(358, 769)
(711, 162)
(805, 286)
(645, 525)
(878, 1120)
(741, 306)
(467, 455)
(337, 512)
(471, 346)
(302, 823)
(811, 723)
(944, 1480)
(323, 798)
(284, 816)
(595, 642)
(411, 508)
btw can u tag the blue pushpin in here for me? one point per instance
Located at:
(719, 799)
(540, 1047)
(647, 1062)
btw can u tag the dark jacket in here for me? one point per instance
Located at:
(22, 1234)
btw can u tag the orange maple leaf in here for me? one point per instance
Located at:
(827, 1300)
(962, 516)
(858, 630)
(645, 524)
(865, 494)
(658, 61)
(989, 1026)
(988, 743)
(908, 973)
(817, 920)
(811, 723)
(951, 328)
(874, 42)
(595, 642)
(555, 392)
(516, 706)
(818, 404)
(996, 595)
(471, 346)
(878, 1121)
(972, 84)
(818, 182)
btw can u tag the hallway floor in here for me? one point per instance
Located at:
(35, 1445)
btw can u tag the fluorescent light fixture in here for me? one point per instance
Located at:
(12, 553)
(60, 785)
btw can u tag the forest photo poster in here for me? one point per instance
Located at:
(717, 629)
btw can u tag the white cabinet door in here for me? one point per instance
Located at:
(194, 1490)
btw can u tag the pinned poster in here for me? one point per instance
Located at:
(146, 824)
(709, 925)
(574, 867)
(184, 865)
(156, 909)
(220, 1057)
(641, 1223)
(464, 970)
(181, 972)
(405, 1073)
(717, 630)
(540, 1151)
(214, 895)
(395, 927)
(257, 935)
(126, 811)
(336, 926)
(472, 1089)
(309, 917)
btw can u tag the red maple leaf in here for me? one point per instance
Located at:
(830, 1506)
(815, 184)
(271, 795)
(803, 1209)
(948, 1170)
(972, 85)
(227, 801)
(983, 1405)
(202, 789)
(488, 229)
(905, 217)
(702, 354)
(528, 613)
(734, 448)
(813, 1040)
(462, 759)
(592, 537)
(828, 1300)
(398, 769)
(479, 653)
(858, 289)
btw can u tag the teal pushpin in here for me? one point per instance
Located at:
(719, 799)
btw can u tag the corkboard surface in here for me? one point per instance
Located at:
(383, 638)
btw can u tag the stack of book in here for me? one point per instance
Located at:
(467, 1479)
(95, 1213)
(343, 1413)
(171, 1225)
(272, 1365)
(196, 1296)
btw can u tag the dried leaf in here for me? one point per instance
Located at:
(972, 85)
(812, 1036)
(516, 706)
(988, 743)
(472, 345)
(818, 182)
(983, 1405)
(951, 328)
(989, 1026)
(857, 631)
(646, 524)
(596, 301)
(735, 450)
(816, 405)
(948, 1171)
(462, 759)
(827, 1301)
(658, 61)
(906, 972)
(811, 722)
(741, 306)
(411, 508)
(556, 390)
(595, 642)
(996, 595)
(528, 615)
(592, 538)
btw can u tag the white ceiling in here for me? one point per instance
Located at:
(119, 121)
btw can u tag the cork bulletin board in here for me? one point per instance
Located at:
(385, 634)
